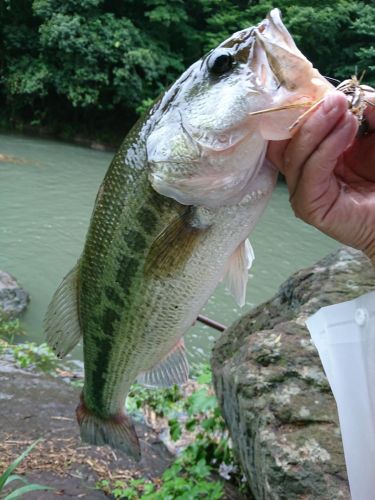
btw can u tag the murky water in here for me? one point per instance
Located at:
(47, 191)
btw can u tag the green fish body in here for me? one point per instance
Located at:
(171, 219)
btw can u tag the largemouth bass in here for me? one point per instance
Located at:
(172, 217)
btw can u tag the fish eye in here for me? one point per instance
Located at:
(220, 61)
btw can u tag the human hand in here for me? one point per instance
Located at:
(330, 173)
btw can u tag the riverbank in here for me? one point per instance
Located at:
(180, 432)
(182, 435)
(97, 143)
(36, 405)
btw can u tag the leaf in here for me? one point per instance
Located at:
(128, 493)
(201, 469)
(148, 488)
(206, 376)
(201, 402)
(191, 424)
(15, 477)
(26, 489)
(210, 424)
(15, 463)
(175, 429)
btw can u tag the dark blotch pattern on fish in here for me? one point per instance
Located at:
(135, 241)
(147, 219)
(113, 296)
(99, 373)
(128, 267)
(98, 377)
(109, 318)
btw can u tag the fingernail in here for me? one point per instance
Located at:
(349, 118)
(350, 123)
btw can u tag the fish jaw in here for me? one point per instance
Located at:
(276, 56)
(222, 179)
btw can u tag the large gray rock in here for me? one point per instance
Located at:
(13, 298)
(272, 389)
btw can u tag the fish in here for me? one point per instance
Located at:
(171, 220)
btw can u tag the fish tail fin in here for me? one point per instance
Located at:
(117, 431)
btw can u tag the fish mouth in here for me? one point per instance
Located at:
(272, 32)
(276, 56)
(279, 63)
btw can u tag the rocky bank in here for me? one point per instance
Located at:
(37, 405)
(272, 389)
(13, 298)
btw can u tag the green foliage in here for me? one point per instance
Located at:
(334, 36)
(191, 476)
(89, 66)
(10, 328)
(7, 477)
(161, 401)
(29, 353)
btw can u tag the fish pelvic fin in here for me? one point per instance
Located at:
(117, 431)
(237, 271)
(61, 323)
(173, 369)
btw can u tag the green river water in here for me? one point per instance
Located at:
(47, 193)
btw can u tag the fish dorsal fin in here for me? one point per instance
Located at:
(173, 369)
(61, 323)
(237, 271)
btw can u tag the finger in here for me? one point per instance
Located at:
(275, 153)
(318, 188)
(311, 134)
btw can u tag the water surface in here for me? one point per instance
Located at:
(47, 192)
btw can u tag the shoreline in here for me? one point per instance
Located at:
(90, 143)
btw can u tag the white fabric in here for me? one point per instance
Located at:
(344, 335)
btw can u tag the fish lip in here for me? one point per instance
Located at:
(273, 27)
(273, 37)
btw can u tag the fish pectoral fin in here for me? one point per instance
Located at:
(237, 271)
(61, 323)
(174, 369)
(173, 247)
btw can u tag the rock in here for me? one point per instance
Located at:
(272, 389)
(98, 146)
(13, 298)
